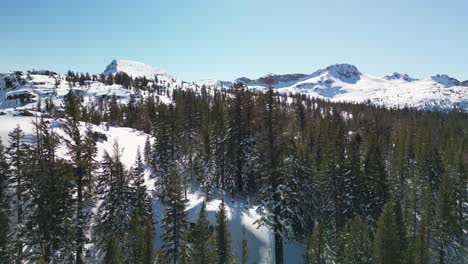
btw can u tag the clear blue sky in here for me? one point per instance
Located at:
(224, 39)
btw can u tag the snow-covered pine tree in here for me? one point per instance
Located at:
(174, 222)
(375, 193)
(202, 250)
(271, 157)
(166, 147)
(115, 112)
(206, 174)
(82, 149)
(354, 244)
(223, 236)
(114, 190)
(48, 227)
(333, 175)
(147, 150)
(240, 141)
(235, 140)
(130, 112)
(461, 194)
(5, 210)
(446, 231)
(17, 151)
(218, 140)
(140, 198)
(138, 247)
(352, 173)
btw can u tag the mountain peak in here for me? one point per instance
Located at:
(343, 68)
(344, 72)
(399, 76)
(445, 80)
(133, 68)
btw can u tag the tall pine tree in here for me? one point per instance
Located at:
(202, 251)
(223, 236)
(174, 222)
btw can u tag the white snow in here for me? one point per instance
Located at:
(133, 68)
(345, 83)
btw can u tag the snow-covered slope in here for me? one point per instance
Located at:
(133, 68)
(344, 82)
(339, 82)
(240, 212)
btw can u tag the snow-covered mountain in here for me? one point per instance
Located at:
(344, 82)
(339, 82)
(281, 80)
(399, 76)
(446, 80)
(133, 68)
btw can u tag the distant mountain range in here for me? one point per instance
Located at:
(339, 82)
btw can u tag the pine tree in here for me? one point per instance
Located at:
(114, 190)
(5, 250)
(139, 238)
(113, 251)
(174, 222)
(115, 113)
(17, 152)
(218, 140)
(202, 250)
(147, 151)
(184, 257)
(316, 246)
(72, 106)
(354, 176)
(47, 224)
(461, 196)
(5, 193)
(223, 236)
(166, 147)
(419, 252)
(244, 247)
(300, 189)
(354, 245)
(239, 141)
(271, 154)
(138, 244)
(82, 150)
(445, 233)
(139, 195)
(147, 246)
(375, 182)
(387, 248)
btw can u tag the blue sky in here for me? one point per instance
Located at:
(222, 39)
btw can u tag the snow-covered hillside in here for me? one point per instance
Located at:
(339, 82)
(344, 82)
(240, 212)
(133, 68)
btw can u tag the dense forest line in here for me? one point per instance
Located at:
(356, 182)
